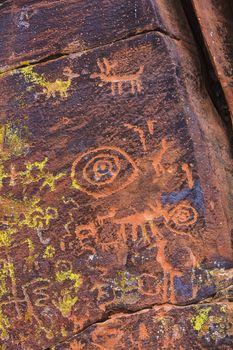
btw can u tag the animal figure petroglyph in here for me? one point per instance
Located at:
(35, 297)
(176, 219)
(108, 74)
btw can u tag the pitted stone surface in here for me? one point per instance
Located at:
(111, 197)
(169, 328)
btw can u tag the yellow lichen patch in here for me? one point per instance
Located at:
(49, 180)
(31, 257)
(4, 325)
(63, 332)
(74, 184)
(37, 217)
(5, 237)
(124, 282)
(3, 175)
(27, 213)
(49, 88)
(7, 271)
(58, 86)
(49, 252)
(65, 303)
(2, 137)
(62, 276)
(14, 140)
(220, 275)
(35, 172)
(200, 319)
(27, 175)
(33, 77)
(11, 142)
(24, 63)
(223, 309)
(68, 297)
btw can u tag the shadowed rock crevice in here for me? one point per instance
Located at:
(212, 83)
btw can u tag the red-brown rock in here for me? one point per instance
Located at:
(115, 182)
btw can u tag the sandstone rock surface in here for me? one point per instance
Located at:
(115, 181)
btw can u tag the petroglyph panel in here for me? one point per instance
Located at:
(168, 328)
(78, 25)
(105, 203)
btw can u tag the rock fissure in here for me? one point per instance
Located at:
(124, 312)
(56, 56)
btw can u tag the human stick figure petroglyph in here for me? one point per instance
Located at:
(140, 133)
(108, 74)
(164, 146)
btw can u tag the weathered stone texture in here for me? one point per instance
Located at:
(215, 18)
(170, 328)
(114, 183)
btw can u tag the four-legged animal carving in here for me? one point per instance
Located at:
(108, 75)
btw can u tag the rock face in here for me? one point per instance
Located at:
(215, 18)
(115, 220)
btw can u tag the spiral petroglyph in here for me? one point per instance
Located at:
(103, 171)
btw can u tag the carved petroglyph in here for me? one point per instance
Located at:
(140, 133)
(177, 219)
(124, 289)
(50, 89)
(67, 297)
(183, 215)
(27, 213)
(163, 149)
(189, 175)
(84, 233)
(110, 339)
(150, 125)
(103, 171)
(103, 227)
(157, 159)
(70, 222)
(108, 74)
(70, 74)
(76, 345)
(34, 296)
(33, 173)
(37, 294)
(170, 272)
(136, 220)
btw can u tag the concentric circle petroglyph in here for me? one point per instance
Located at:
(103, 171)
